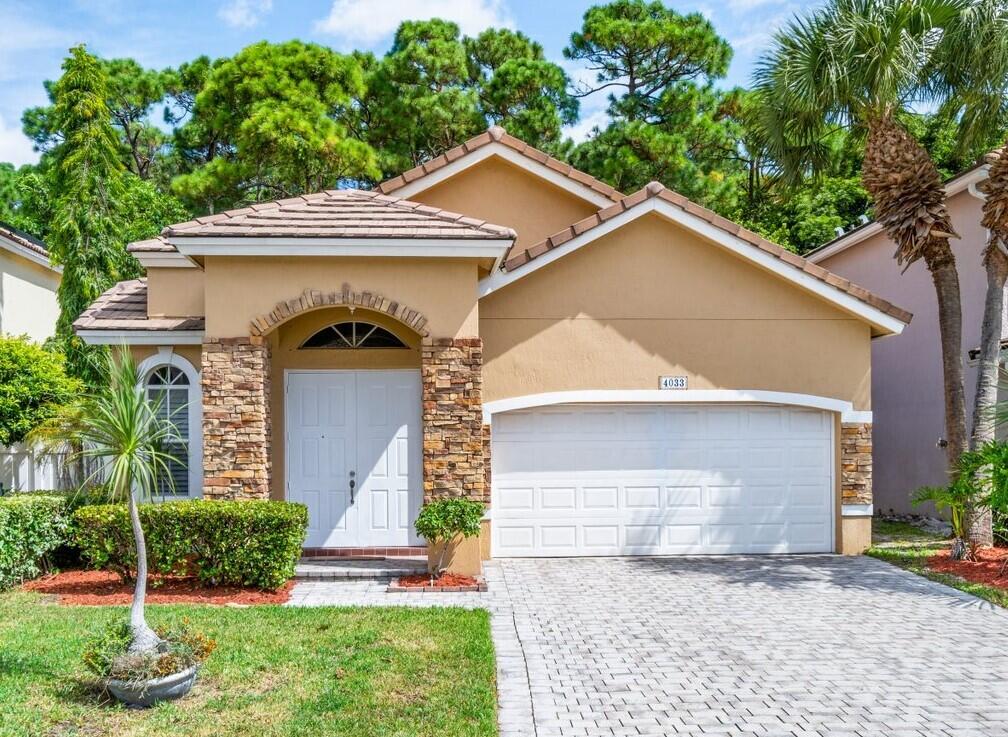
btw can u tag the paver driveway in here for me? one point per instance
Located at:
(742, 645)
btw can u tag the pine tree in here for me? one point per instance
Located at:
(87, 180)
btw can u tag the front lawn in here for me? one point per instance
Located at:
(909, 547)
(393, 672)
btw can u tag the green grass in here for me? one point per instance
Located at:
(909, 547)
(388, 672)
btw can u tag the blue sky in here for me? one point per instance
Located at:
(37, 33)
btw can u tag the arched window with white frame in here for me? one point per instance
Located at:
(173, 383)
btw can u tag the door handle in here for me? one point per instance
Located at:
(353, 483)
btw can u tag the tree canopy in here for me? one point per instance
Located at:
(280, 119)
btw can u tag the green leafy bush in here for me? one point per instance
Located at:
(222, 543)
(33, 383)
(443, 520)
(31, 527)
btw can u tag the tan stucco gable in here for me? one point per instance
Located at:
(501, 192)
(651, 299)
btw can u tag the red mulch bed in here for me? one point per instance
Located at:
(983, 570)
(99, 588)
(444, 581)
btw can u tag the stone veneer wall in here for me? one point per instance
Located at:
(452, 379)
(856, 463)
(236, 418)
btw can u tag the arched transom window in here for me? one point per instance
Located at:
(170, 387)
(353, 334)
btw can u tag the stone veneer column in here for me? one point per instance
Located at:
(856, 463)
(236, 418)
(452, 378)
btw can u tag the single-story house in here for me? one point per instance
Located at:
(609, 374)
(907, 382)
(28, 284)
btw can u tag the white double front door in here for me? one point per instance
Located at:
(353, 455)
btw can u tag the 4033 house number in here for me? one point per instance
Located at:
(672, 382)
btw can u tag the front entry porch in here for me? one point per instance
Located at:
(344, 402)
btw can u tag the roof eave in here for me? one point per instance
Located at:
(37, 258)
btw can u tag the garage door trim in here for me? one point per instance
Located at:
(688, 396)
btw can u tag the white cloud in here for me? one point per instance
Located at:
(582, 129)
(365, 22)
(244, 13)
(15, 147)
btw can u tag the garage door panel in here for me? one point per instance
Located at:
(605, 488)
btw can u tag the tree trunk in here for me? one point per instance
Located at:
(979, 522)
(144, 638)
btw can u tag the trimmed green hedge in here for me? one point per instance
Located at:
(31, 527)
(222, 543)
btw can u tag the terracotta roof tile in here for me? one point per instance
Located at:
(23, 240)
(655, 189)
(496, 134)
(344, 213)
(124, 307)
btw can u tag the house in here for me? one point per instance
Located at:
(907, 382)
(610, 374)
(28, 283)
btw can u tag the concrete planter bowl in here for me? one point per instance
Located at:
(148, 693)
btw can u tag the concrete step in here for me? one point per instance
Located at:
(336, 569)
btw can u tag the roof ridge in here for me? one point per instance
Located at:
(656, 190)
(497, 134)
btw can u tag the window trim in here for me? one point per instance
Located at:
(166, 356)
(355, 322)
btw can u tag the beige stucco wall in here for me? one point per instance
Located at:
(174, 292)
(240, 289)
(652, 299)
(27, 297)
(286, 355)
(503, 194)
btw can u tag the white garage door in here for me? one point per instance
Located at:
(662, 479)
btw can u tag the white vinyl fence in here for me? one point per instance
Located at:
(23, 468)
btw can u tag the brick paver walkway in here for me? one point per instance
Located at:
(790, 646)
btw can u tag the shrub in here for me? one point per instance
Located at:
(445, 519)
(31, 527)
(222, 543)
(106, 655)
(33, 384)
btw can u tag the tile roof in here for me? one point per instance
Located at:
(124, 307)
(337, 213)
(23, 239)
(496, 134)
(657, 190)
(152, 245)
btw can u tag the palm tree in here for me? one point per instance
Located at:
(976, 95)
(863, 65)
(124, 435)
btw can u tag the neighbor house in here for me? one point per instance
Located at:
(907, 381)
(609, 374)
(28, 283)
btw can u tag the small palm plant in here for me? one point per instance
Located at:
(122, 437)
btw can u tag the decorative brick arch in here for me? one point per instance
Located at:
(313, 299)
